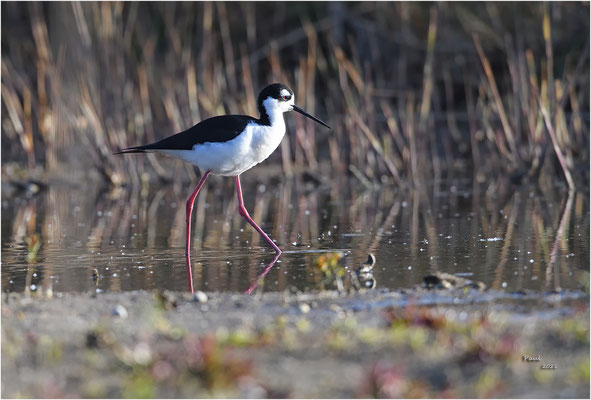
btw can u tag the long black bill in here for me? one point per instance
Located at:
(295, 108)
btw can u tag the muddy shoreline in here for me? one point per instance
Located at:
(416, 342)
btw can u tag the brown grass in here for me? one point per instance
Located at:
(414, 92)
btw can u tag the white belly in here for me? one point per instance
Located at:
(235, 156)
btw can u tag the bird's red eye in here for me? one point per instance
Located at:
(284, 97)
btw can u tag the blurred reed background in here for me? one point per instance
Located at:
(414, 91)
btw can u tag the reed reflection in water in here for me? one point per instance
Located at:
(133, 239)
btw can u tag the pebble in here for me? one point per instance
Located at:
(120, 311)
(200, 297)
(304, 308)
(335, 308)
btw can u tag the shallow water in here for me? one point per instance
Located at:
(508, 238)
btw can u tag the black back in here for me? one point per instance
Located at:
(212, 130)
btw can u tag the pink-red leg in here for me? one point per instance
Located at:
(246, 216)
(189, 207)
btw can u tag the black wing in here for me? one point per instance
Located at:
(212, 130)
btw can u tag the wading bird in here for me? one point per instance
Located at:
(229, 145)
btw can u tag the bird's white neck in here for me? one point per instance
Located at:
(276, 118)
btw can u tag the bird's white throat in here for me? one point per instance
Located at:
(276, 108)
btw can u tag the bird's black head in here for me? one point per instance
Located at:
(277, 91)
(278, 98)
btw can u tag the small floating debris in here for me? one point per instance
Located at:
(363, 277)
(443, 280)
(338, 277)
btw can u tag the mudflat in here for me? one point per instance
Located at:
(381, 343)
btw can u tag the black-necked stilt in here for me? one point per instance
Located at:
(229, 145)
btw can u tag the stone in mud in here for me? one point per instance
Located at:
(120, 311)
(200, 297)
